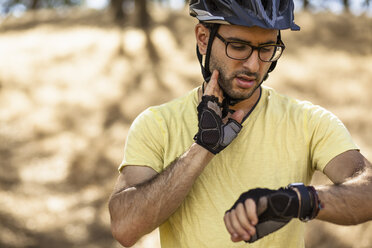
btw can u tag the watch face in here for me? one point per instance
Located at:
(296, 184)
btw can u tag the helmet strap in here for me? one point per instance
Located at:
(205, 68)
(212, 35)
(273, 64)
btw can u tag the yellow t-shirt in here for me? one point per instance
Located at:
(282, 141)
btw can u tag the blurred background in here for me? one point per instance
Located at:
(74, 74)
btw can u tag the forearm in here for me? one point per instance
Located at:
(140, 209)
(348, 203)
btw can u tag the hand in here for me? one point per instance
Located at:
(214, 89)
(241, 221)
(215, 134)
(259, 212)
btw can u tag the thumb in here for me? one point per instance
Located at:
(238, 115)
(213, 88)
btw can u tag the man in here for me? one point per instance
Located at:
(186, 162)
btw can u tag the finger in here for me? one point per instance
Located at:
(228, 223)
(229, 227)
(212, 84)
(213, 88)
(238, 228)
(242, 215)
(238, 115)
(250, 207)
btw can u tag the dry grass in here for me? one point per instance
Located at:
(70, 87)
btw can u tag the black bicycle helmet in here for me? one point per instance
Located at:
(270, 14)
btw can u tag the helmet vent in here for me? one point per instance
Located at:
(283, 6)
(266, 4)
(220, 8)
(267, 8)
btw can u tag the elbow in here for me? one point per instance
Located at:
(121, 230)
(123, 235)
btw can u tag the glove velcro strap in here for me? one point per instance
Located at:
(230, 131)
(309, 201)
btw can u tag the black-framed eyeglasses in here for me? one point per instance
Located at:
(240, 50)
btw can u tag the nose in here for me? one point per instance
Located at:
(253, 62)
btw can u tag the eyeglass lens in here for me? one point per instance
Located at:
(268, 53)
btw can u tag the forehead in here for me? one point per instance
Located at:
(252, 34)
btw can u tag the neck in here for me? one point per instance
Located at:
(247, 104)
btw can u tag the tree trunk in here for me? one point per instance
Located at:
(306, 4)
(34, 4)
(143, 17)
(117, 10)
(346, 5)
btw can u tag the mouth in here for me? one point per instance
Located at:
(245, 82)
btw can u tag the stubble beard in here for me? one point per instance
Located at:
(226, 82)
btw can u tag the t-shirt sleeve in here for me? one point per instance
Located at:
(328, 137)
(144, 145)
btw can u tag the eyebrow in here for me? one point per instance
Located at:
(248, 42)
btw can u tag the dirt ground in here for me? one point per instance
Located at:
(71, 83)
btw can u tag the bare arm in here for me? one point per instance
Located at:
(140, 204)
(349, 200)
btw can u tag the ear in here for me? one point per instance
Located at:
(202, 37)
